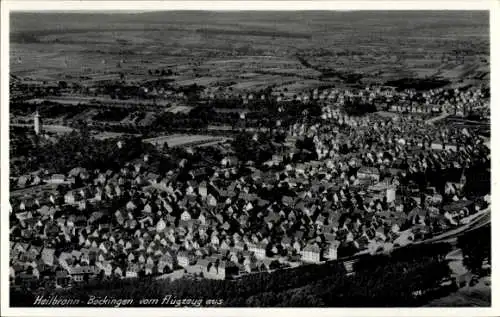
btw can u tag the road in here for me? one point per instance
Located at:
(449, 236)
(440, 117)
(452, 235)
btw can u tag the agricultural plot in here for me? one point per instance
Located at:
(201, 81)
(180, 109)
(300, 86)
(110, 135)
(177, 140)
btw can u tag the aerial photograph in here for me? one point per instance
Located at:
(249, 159)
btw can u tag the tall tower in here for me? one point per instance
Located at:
(37, 123)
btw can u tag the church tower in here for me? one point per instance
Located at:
(36, 123)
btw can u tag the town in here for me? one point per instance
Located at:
(334, 186)
(122, 179)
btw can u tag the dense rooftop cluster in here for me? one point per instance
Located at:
(335, 186)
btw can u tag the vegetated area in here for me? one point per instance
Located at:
(476, 247)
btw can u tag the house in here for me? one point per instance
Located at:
(36, 180)
(57, 179)
(34, 252)
(185, 216)
(48, 256)
(23, 180)
(362, 242)
(70, 198)
(229, 161)
(149, 268)
(106, 267)
(368, 173)
(311, 253)
(260, 249)
(62, 278)
(331, 252)
(211, 200)
(165, 263)
(105, 246)
(349, 266)
(185, 258)
(132, 270)
(203, 189)
(81, 273)
(118, 271)
(251, 267)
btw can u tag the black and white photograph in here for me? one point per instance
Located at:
(208, 158)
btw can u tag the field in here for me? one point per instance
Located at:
(176, 140)
(249, 51)
(48, 127)
(76, 100)
(108, 135)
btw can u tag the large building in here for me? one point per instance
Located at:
(37, 123)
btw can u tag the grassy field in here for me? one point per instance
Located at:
(176, 140)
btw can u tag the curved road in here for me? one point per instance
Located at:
(440, 117)
(453, 234)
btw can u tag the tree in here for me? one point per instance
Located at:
(62, 84)
(476, 248)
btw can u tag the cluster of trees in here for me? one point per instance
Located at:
(417, 83)
(405, 278)
(76, 149)
(307, 147)
(476, 248)
(111, 115)
(46, 109)
(379, 281)
(160, 72)
(168, 121)
(249, 149)
(266, 33)
(119, 91)
(355, 107)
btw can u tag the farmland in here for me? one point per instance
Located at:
(254, 50)
(178, 140)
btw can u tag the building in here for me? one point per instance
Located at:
(37, 123)
(391, 194)
(368, 173)
(311, 253)
(332, 250)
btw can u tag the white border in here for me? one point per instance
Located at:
(9, 5)
(251, 5)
